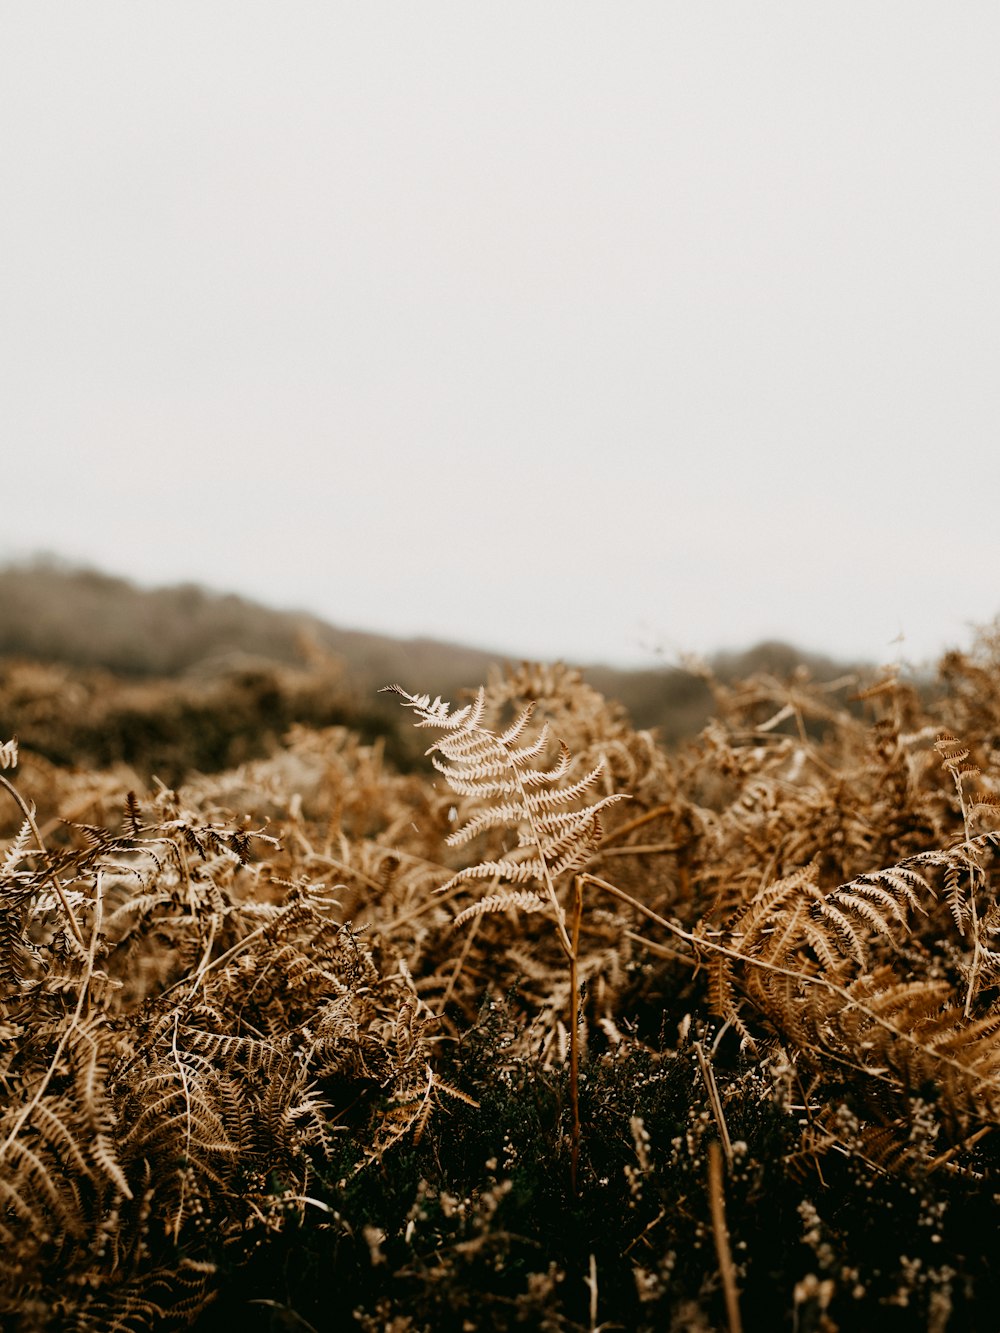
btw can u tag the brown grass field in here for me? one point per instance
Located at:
(554, 1027)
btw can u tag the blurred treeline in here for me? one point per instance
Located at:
(96, 671)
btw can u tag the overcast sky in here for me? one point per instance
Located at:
(569, 329)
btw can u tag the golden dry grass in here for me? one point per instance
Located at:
(227, 1006)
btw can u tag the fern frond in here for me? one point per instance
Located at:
(27, 1209)
(903, 883)
(868, 910)
(958, 902)
(989, 962)
(438, 713)
(449, 1089)
(228, 1047)
(132, 814)
(559, 823)
(516, 728)
(564, 795)
(102, 1149)
(59, 1136)
(16, 850)
(500, 773)
(818, 937)
(516, 872)
(495, 816)
(36, 1184)
(503, 902)
(953, 753)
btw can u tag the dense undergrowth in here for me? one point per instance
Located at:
(167, 727)
(254, 1074)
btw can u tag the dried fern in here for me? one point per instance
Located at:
(217, 1002)
(505, 786)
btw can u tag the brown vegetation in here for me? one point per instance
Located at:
(457, 1046)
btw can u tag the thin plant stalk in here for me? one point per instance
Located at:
(574, 1029)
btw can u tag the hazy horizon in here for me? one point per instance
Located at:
(659, 658)
(604, 333)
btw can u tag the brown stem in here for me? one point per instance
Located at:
(715, 1101)
(720, 1234)
(623, 830)
(637, 849)
(977, 947)
(574, 1029)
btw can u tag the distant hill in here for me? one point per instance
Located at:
(53, 612)
(89, 621)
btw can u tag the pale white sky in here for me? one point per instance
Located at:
(569, 329)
